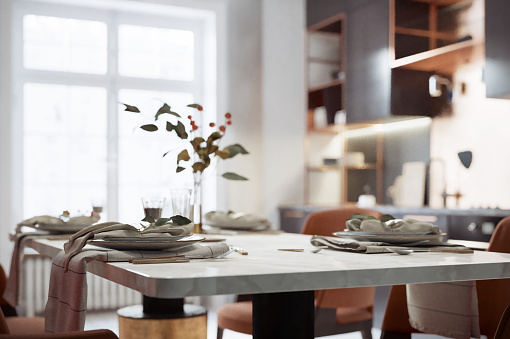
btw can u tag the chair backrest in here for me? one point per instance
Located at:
(3, 282)
(328, 221)
(494, 295)
(325, 223)
(503, 330)
(3, 324)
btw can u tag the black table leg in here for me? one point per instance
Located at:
(283, 315)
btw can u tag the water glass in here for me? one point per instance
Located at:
(153, 206)
(181, 201)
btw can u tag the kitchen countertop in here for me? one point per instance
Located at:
(389, 209)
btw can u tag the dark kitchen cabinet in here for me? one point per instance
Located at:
(497, 49)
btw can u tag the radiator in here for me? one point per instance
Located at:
(102, 294)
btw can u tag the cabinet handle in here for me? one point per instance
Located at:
(472, 227)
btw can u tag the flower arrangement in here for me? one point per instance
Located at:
(203, 150)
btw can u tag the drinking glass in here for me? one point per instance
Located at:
(181, 201)
(153, 206)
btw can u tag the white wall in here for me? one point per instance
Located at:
(283, 102)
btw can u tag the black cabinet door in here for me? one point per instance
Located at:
(497, 48)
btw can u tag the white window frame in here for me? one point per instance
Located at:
(131, 14)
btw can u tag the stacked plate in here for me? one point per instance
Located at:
(236, 221)
(148, 243)
(391, 237)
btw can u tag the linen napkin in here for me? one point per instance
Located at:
(115, 229)
(448, 309)
(407, 225)
(67, 298)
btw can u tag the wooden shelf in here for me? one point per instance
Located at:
(328, 168)
(443, 60)
(332, 83)
(425, 33)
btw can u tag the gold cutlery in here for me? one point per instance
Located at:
(291, 249)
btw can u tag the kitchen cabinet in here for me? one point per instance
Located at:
(430, 40)
(330, 157)
(497, 49)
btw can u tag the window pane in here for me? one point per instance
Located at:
(64, 148)
(156, 53)
(67, 45)
(142, 168)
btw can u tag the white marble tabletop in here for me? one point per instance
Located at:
(266, 269)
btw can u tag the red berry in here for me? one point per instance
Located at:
(200, 108)
(229, 122)
(222, 128)
(228, 115)
(189, 117)
(195, 127)
(211, 124)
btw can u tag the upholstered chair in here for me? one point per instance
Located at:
(336, 311)
(493, 297)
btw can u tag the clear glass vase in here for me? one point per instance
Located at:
(197, 202)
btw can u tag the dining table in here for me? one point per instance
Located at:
(282, 271)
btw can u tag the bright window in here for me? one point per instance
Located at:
(78, 142)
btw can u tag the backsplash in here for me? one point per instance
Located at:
(482, 126)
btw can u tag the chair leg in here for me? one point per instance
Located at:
(366, 334)
(219, 335)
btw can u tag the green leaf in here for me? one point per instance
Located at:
(181, 131)
(165, 109)
(387, 217)
(180, 220)
(179, 169)
(148, 219)
(233, 176)
(161, 221)
(235, 150)
(130, 108)
(149, 128)
(184, 156)
(197, 106)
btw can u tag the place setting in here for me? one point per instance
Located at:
(231, 222)
(367, 234)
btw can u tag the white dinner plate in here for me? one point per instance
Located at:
(238, 224)
(390, 238)
(148, 245)
(146, 238)
(58, 228)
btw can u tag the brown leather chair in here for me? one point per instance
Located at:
(503, 330)
(336, 311)
(15, 327)
(493, 297)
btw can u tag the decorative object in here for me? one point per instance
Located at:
(202, 150)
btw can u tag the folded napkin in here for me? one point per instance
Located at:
(407, 225)
(115, 229)
(240, 217)
(448, 309)
(67, 298)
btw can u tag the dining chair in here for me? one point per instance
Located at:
(337, 311)
(493, 297)
(15, 327)
(503, 330)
